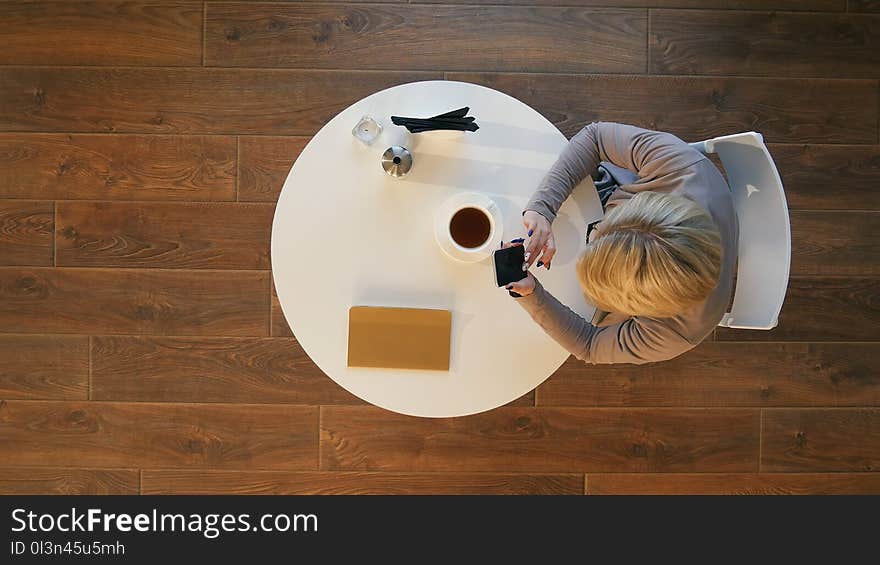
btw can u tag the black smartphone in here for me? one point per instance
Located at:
(508, 265)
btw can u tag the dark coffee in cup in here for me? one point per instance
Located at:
(470, 227)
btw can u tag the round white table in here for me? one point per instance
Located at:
(347, 234)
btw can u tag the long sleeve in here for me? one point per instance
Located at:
(637, 340)
(663, 163)
(579, 159)
(651, 154)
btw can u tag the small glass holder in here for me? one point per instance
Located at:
(367, 130)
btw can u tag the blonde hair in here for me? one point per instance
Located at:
(652, 256)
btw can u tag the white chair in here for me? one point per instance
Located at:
(764, 229)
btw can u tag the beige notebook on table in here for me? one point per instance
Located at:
(399, 338)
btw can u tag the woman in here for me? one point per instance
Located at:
(660, 265)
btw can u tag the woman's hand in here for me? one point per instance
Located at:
(541, 241)
(525, 286)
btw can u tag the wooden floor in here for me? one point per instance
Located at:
(143, 145)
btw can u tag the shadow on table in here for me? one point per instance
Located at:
(493, 134)
(472, 174)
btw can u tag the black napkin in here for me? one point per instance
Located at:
(454, 120)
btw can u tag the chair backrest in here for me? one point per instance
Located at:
(764, 229)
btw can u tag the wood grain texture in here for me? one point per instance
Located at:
(821, 309)
(26, 229)
(37, 481)
(808, 5)
(138, 435)
(863, 6)
(101, 33)
(107, 112)
(815, 440)
(134, 301)
(727, 374)
(326, 1)
(829, 177)
(272, 371)
(279, 322)
(695, 108)
(812, 5)
(44, 367)
(461, 38)
(528, 399)
(343, 482)
(745, 483)
(170, 236)
(835, 243)
(117, 167)
(541, 440)
(217, 101)
(264, 163)
(764, 44)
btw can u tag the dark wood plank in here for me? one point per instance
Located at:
(325, 1)
(134, 301)
(108, 434)
(829, 177)
(728, 374)
(263, 166)
(26, 229)
(541, 440)
(695, 108)
(815, 440)
(44, 367)
(343, 482)
(272, 371)
(821, 309)
(819, 5)
(33, 480)
(279, 323)
(117, 167)
(835, 243)
(863, 5)
(507, 38)
(164, 235)
(808, 5)
(764, 44)
(745, 483)
(131, 33)
(528, 399)
(184, 100)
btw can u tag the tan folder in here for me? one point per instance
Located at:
(399, 338)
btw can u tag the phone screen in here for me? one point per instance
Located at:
(508, 265)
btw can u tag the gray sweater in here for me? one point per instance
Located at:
(664, 163)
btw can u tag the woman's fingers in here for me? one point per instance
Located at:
(538, 230)
(536, 244)
(529, 223)
(524, 287)
(549, 251)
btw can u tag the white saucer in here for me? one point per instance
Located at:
(445, 213)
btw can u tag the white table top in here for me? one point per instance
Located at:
(346, 234)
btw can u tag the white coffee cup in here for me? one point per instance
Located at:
(460, 230)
